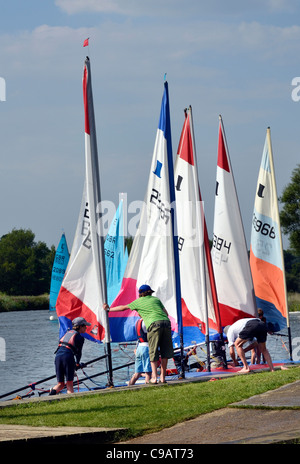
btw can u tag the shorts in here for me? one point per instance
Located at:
(65, 367)
(160, 340)
(142, 360)
(255, 328)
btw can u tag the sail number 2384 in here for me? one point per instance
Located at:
(263, 227)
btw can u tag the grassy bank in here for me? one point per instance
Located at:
(23, 303)
(294, 301)
(148, 409)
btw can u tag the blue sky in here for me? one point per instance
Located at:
(232, 58)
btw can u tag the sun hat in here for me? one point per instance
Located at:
(145, 288)
(79, 321)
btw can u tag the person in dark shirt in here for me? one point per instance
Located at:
(68, 355)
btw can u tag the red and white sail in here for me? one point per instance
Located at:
(229, 251)
(83, 290)
(200, 310)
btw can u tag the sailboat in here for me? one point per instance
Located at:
(154, 259)
(266, 250)
(116, 254)
(200, 310)
(229, 250)
(59, 267)
(83, 289)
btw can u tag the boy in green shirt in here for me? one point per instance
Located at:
(158, 326)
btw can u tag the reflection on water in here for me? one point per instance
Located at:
(31, 339)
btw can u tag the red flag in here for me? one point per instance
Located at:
(86, 42)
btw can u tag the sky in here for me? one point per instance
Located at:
(233, 58)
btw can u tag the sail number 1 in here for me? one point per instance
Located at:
(263, 227)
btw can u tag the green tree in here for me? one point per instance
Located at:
(25, 265)
(290, 213)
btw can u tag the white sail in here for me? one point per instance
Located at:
(229, 252)
(199, 309)
(151, 259)
(83, 290)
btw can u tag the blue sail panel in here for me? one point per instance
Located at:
(59, 267)
(115, 256)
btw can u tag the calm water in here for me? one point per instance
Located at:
(30, 340)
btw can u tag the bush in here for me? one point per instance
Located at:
(23, 303)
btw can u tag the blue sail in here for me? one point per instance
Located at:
(59, 267)
(115, 256)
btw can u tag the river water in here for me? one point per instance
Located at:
(28, 340)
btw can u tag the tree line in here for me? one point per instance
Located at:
(26, 265)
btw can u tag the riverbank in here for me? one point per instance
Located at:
(23, 303)
(123, 407)
(253, 408)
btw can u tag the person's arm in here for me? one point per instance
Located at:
(116, 308)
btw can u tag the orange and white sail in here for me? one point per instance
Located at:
(266, 252)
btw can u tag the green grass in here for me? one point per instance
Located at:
(148, 409)
(293, 301)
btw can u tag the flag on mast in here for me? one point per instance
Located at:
(200, 311)
(266, 251)
(229, 251)
(83, 290)
(152, 259)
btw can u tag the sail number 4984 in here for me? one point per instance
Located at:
(263, 227)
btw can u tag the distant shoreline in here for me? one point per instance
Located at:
(23, 303)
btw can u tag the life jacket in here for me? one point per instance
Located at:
(68, 340)
(142, 335)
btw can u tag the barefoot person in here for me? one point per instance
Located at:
(158, 327)
(242, 331)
